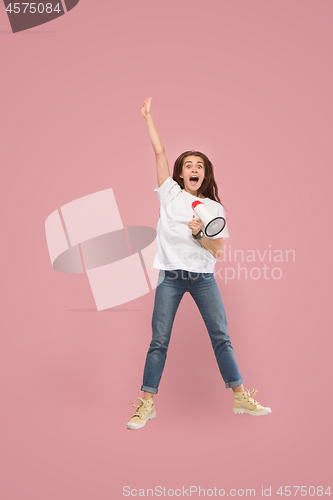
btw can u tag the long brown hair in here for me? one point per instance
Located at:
(208, 187)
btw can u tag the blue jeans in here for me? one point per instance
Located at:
(170, 289)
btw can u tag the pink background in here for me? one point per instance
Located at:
(249, 83)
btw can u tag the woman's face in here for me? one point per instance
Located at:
(193, 173)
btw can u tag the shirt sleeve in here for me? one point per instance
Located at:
(225, 231)
(168, 190)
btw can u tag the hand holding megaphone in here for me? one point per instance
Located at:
(213, 225)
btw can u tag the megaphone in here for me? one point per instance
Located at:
(213, 225)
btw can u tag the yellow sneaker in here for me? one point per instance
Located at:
(244, 403)
(145, 411)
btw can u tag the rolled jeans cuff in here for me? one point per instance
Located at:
(149, 389)
(234, 384)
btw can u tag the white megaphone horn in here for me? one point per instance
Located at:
(213, 225)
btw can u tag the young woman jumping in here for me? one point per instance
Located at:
(186, 259)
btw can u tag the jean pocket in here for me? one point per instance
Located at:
(161, 276)
(207, 276)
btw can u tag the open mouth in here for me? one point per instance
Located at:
(194, 179)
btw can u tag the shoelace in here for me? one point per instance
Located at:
(252, 392)
(141, 408)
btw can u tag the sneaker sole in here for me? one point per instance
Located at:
(239, 411)
(134, 427)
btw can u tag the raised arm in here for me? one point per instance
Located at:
(162, 166)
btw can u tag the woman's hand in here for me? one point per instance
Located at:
(145, 110)
(195, 225)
